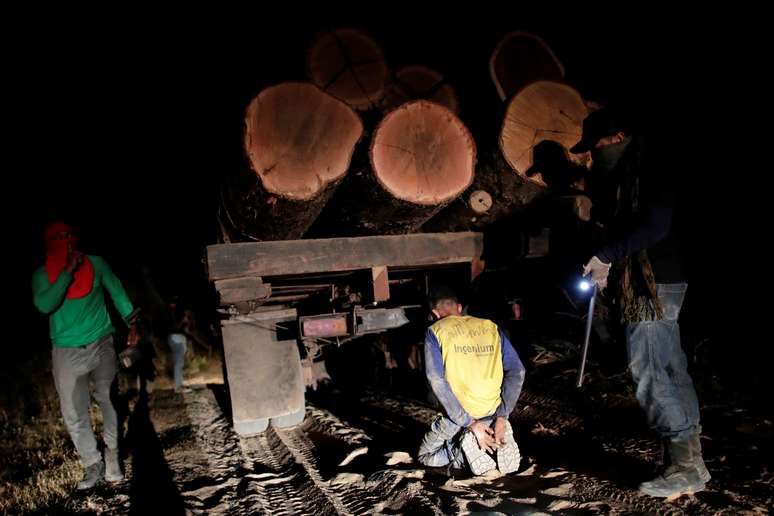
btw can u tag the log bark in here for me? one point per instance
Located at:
(495, 193)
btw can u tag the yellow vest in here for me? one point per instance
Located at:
(472, 358)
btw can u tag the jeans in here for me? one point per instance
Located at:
(440, 446)
(177, 344)
(659, 367)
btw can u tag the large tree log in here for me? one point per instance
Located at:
(299, 142)
(543, 110)
(421, 158)
(419, 82)
(519, 59)
(350, 66)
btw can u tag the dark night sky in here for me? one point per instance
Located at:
(123, 126)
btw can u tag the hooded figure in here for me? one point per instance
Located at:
(70, 289)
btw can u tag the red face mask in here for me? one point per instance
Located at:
(60, 238)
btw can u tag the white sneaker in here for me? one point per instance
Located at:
(508, 457)
(479, 461)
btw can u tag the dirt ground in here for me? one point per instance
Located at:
(584, 451)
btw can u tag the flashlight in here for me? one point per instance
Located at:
(585, 284)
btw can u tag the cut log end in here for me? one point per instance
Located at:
(299, 139)
(543, 110)
(480, 201)
(519, 59)
(422, 153)
(350, 66)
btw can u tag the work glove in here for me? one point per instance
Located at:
(599, 272)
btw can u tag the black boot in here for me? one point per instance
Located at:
(681, 476)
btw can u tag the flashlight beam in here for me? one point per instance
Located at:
(589, 320)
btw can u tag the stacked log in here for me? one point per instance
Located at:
(519, 59)
(421, 158)
(417, 82)
(307, 175)
(349, 65)
(543, 110)
(298, 143)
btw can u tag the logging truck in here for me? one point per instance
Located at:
(279, 294)
(336, 223)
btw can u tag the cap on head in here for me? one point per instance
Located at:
(599, 124)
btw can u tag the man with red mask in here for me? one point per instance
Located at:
(70, 288)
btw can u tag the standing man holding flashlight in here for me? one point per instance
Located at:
(633, 206)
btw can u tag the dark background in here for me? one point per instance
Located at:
(122, 123)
